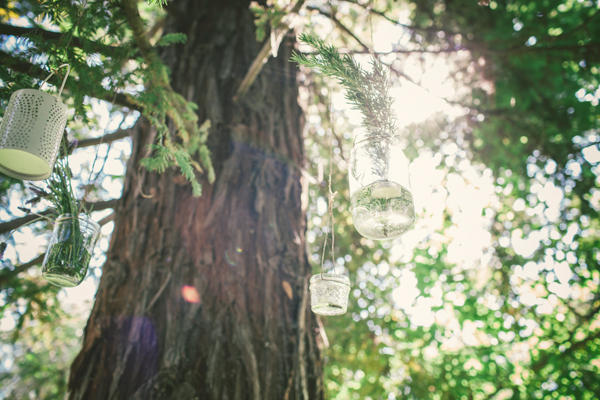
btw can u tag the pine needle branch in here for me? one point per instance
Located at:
(366, 91)
(160, 102)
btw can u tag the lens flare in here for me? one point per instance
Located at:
(190, 294)
(233, 256)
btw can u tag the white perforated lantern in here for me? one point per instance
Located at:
(30, 134)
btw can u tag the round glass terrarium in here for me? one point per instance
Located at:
(70, 250)
(381, 200)
(329, 294)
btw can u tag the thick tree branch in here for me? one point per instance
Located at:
(263, 56)
(8, 275)
(139, 30)
(18, 222)
(393, 21)
(111, 137)
(341, 26)
(20, 65)
(49, 35)
(25, 67)
(579, 27)
(255, 68)
(154, 33)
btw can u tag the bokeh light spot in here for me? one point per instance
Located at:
(190, 294)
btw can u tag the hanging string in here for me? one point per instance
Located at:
(90, 180)
(112, 105)
(62, 86)
(370, 11)
(331, 194)
(324, 248)
(330, 225)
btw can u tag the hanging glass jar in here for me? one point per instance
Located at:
(30, 133)
(70, 250)
(381, 199)
(329, 294)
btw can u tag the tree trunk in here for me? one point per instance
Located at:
(195, 300)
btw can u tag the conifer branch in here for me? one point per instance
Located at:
(94, 46)
(139, 30)
(366, 91)
(169, 104)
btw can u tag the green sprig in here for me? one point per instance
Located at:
(60, 190)
(366, 91)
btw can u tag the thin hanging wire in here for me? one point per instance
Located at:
(65, 57)
(90, 180)
(370, 11)
(62, 86)
(331, 221)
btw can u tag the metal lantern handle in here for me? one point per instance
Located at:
(63, 82)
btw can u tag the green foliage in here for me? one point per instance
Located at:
(61, 190)
(172, 38)
(158, 2)
(266, 17)
(366, 91)
(160, 103)
(95, 38)
(95, 61)
(507, 324)
(43, 344)
(168, 154)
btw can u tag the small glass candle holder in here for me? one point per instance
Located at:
(329, 294)
(381, 200)
(70, 250)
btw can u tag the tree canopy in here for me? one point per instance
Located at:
(494, 294)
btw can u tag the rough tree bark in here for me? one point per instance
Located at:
(193, 302)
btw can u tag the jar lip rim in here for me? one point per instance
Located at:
(82, 216)
(339, 278)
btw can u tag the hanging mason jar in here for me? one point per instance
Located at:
(381, 199)
(70, 250)
(329, 294)
(30, 133)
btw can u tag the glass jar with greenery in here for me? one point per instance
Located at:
(381, 199)
(74, 236)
